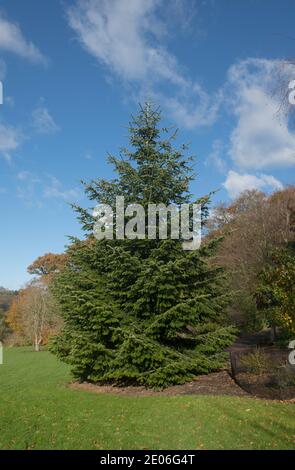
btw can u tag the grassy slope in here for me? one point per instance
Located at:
(38, 411)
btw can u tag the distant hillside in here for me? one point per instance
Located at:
(6, 297)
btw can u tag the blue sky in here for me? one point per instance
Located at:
(74, 71)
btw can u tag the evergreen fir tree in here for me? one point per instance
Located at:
(142, 311)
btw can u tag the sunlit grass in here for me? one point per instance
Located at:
(39, 411)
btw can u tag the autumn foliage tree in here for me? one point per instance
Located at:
(252, 227)
(14, 315)
(47, 266)
(275, 294)
(34, 315)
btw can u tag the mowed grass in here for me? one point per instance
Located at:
(39, 411)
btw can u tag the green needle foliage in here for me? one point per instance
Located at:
(142, 311)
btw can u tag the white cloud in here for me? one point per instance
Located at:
(10, 139)
(237, 183)
(43, 122)
(12, 40)
(115, 32)
(125, 36)
(261, 138)
(193, 107)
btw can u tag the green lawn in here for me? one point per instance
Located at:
(38, 411)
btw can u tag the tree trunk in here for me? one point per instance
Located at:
(273, 333)
(37, 344)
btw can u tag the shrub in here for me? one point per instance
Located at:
(283, 377)
(257, 362)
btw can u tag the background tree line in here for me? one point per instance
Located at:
(258, 231)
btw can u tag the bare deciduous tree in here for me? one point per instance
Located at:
(37, 314)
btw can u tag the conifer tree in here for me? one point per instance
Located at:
(142, 311)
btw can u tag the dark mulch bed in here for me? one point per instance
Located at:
(217, 383)
(271, 384)
(262, 386)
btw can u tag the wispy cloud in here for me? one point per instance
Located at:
(126, 36)
(11, 137)
(43, 122)
(192, 106)
(25, 175)
(27, 188)
(236, 183)
(55, 190)
(216, 156)
(35, 189)
(10, 140)
(13, 40)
